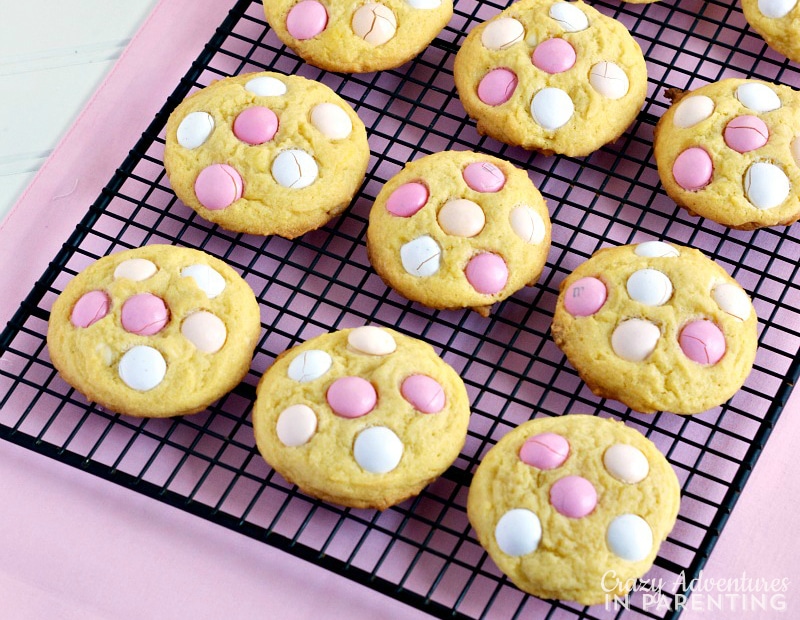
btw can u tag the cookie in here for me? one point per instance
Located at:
(656, 326)
(459, 230)
(266, 153)
(778, 22)
(551, 76)
(357, 37)
(573, 507)
(730, 152)
(154, 332)
(362, 417)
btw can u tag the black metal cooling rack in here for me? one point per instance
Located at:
(422, 551)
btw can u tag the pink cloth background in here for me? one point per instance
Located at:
(79, 547)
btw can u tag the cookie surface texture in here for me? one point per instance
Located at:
(730, 152)
(266, 153)
(658, 327)
(778, 22)
(156, 331)
(362, 417)
(459, 230)
(357, 37)
(573, 507)
(551, 76)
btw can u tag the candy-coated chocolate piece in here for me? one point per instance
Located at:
(746, 133)
(527, 224)
(207, 279)
(144, 314)
(650, 287)
(204, 330)
(586, 296)
(421, 257)
(609, 79)
(554, 56)
(702, 342)
(89, 309)
(693, 169)
(351, 397)
(331, 121)
(218, 186)
(518, 532)
(195, 129)
(309, 365)
(424, 4)
(776, 9)
(758, 97)
(630, 537)
(732, 300)
(656, 249)
(545, 451)
(266, 86)
(693, 110)
(306, 19)
(569, 17)
(255, 125)
(378, 450)
(142, 368)
(136, 269)
(295, 169)
(487, 273)
(296, 425)
(484, 177)
(375, 23)
(552, 108)
(497, 86)
(424, 393)
(766, 186)
(461, 218)
(502, 33)
(371, 340)
(573, 496)
(626, 463)
(407, 199)
(635, 339)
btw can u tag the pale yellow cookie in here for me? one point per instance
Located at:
(778, 21)
(658, 327)
(266, 153)
(361, 417)
(352, 36)
(154, 332)
(730, 152)
(459, 230)
(551, 76)
(573, 507)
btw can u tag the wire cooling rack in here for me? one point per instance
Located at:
(422, 552)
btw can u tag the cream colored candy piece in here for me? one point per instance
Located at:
(208, 280)
(204, 330)
(371, 340)
(375, 23)
(296, 425)
(195, 129)
(766, 186)
(626, 463)
(461, 218)
(732, 300)
(502, 33)
(569, 17)
(609, 79)
(527, 224)
(776, 9)
(656, 249)
(635, 339)
(421, 256)
(331, 121)
(136, 269)
(266, 86)
(649, 287)
(758, 97)
(295, 169)
(693, 110)
(309, 365)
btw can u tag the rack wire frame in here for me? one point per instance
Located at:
(422, 552)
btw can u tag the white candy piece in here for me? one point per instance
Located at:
(552, 108)
(732, 300)
(378, 450)
(626, 463)
(136, 269)
(331, 121)
(649, 287)
(518, 532)
(796, 150)
(206, 278)
(195, 129)
(296, 425)
(371, 340)
(502, 33)
(375, 23)
(266, 86)
(295, 169)
(204, 330)
(142, 368)
(656, 249)
(609, 79)
(570, 17)
(766, 186)
(630, 537)
(421, 256)
(776, 9)
(758, 97)
(527, 224)
(635, 339)
(424, 4)
(309, 365)
(693, 110)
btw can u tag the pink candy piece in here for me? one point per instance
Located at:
(424, 393)
(351, 397)
(306, 19)
(545, 451)
(487, 273)
(89, 309)
(702, 342)
(554, 56)
(693, 169)
(218, 186)
(573, 496)
(585, 297)
(407, 199)
(497, 86)
(746, 133)
(144, 314)
(255, 125)
(484, 177)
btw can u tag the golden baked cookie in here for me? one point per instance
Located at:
(459, 230)
(658, 327)
(729, 151)
(266, 153)
(154, 332)
(362, 417)
(551, 76)
(357, 37)
(778, 22)
(573, 507)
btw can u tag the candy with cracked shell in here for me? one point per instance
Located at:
(766, 186)
(375, 23)
(90, 308)
(421, 257)
(497, 86)
(484, 177)
(702, 342)
(218, 186)
(746, 133)
(545, 451)
(569, 17)
(294, 168)
(527, 224)
(195, 129)
(656, 249)
(502, 33)
(732, 299)
(144, 314)
(309, 365)
(424, 393)
(609, 79)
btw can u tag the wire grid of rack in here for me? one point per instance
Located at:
(422, 552)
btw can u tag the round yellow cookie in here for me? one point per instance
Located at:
(154, 332)
(778, 21)
(730, 152)
(362, 417)
(573, 507)
(266, 153)
(459, 230)
(658, 327)
(358, 36)
(551, 76)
